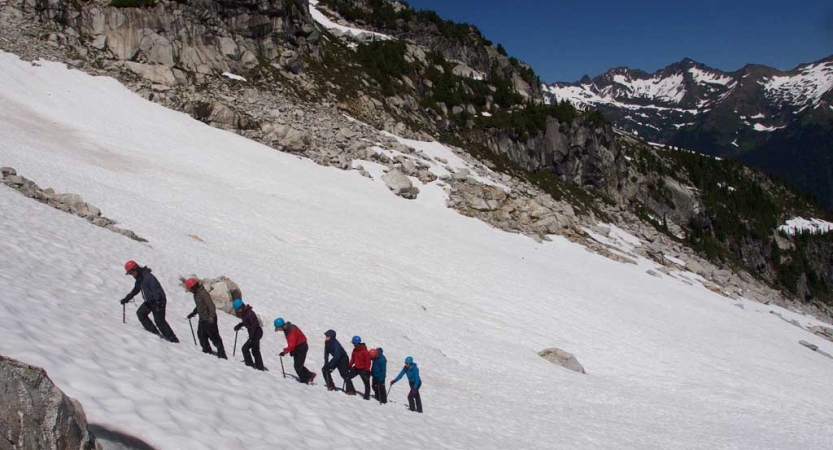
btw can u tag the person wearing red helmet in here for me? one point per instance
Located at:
(155, 301)
(207, 328)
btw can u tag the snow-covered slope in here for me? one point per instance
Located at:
(325, 22)
(670, 365)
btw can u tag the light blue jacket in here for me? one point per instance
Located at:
(413, 375)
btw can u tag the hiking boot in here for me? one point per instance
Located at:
(312, 377)
(331, 388)
(351, 392)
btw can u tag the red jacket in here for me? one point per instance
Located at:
(360, 358)
(294, 337)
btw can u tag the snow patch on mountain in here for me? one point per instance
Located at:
(762, 127)
(804, 89)
(703, 77)
(668, 89)
(325, 22)
(800, 224)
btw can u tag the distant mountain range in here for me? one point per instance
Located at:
(781, 122)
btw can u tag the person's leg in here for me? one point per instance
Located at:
(344, 372)
(383, 391)
(142, 313)
(247, 355)
(411, 405)
(216, 339)
(300, 356)
(328, 378)
(256, 351)
(162, 324)
(202, 336)
(366, 380)
(418, 401)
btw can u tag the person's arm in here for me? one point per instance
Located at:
(399, 377)
(137, 287)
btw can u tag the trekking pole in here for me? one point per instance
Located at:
(192, 330)
(284, 373)
(234, 352)
(123, 313)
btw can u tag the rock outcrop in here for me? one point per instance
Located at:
(36, 414)
(68, 203)
(562, 358)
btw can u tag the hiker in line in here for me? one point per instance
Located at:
(154, 301)
(251, 349)
(360, 364)
(297, 347)
(339, 361)
(207, 327)
(412, 371)
(379, 371)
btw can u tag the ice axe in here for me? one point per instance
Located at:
(234, 351)
(284, 373)
(123, 313)
(192, 330)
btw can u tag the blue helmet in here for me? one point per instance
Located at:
(279, 322)
(357, 340)
(409, 360)
(237, 303)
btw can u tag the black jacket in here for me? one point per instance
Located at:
(150, 288)
(333, 348)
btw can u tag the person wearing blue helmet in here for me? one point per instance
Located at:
(251, 349)
(412, 371)
(297, 347)
(360, 364)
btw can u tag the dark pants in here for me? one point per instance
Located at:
(299, 356)
(162, 328)
(379, 390)
(209, 331)
(341, 365)
(251, 349)
(365, 376)
(414, 401)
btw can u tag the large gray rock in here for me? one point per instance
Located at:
(155, 73)
(562, 358)
(400, 184)
(35, 414)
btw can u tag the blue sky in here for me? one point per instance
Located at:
(564, 40)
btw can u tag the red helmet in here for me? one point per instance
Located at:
(190, 283)
(130, 265)
(373, 353)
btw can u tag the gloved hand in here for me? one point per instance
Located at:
(238, 327)
(282, 354)
(124, 301)
(191, 316)
(392, 382)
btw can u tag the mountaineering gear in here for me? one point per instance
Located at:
(356, 340)
(409, 360)
(190, 283)
(251, 349)
(279, 322)
(192, 330)
(238, 326)
(237, 303)
(191, 316)
(378, 373)
(297, 347)
(339, 361)
(234, 351)
(412, 371)
(124, 301)
(311, 378)
(204, 306)
(283, 372)
(128, 266)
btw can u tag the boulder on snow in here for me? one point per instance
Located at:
(400, 184)
(34, 413)
(562, 358)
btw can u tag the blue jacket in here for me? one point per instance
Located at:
(380, 366)
(413, 375)
(149, 286)
(333, 348)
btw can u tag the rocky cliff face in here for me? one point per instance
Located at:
(185, 39)
(34, 413)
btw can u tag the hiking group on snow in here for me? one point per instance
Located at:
(369, 365)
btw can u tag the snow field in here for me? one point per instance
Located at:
(669, 365)
(325, 22)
